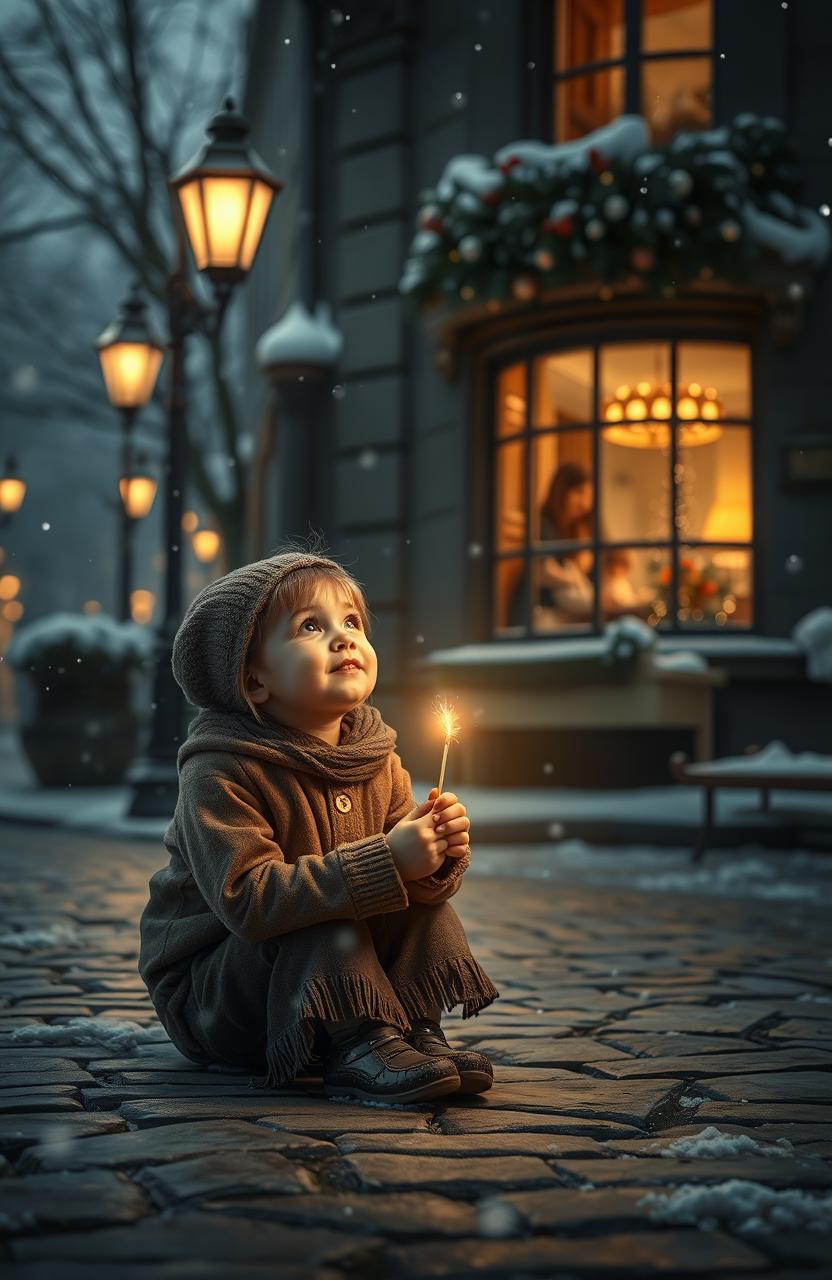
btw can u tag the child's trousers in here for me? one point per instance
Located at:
(260, 1004)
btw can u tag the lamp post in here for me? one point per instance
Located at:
(222, 199)
(130, 359)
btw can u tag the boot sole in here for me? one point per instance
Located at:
(432, 1089)
(475, 1081)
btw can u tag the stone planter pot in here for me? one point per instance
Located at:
(84, 733)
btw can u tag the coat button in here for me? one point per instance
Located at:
(343, 803)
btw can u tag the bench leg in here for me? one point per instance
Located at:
(765, 803)
(703, 839)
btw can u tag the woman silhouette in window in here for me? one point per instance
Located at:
(565, 589)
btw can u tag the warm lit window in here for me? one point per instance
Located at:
(653, 57)
(623, 486)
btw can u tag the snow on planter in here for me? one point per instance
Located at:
(78, 638)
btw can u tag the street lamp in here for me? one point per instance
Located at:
(222, 198)
(12, 491)
(130, 358)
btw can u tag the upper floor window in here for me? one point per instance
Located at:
(623, 484)
(651, 57)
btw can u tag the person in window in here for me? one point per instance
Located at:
(565, 593)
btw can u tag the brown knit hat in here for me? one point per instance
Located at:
(214, 635)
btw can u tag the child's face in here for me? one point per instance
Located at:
(296, 673)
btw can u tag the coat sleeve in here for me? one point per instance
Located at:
(444, 882)
(241, 872)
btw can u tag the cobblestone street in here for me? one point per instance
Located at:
(629, 1024)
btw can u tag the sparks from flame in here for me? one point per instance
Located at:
(450, 726)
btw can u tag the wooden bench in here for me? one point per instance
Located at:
(704, 774)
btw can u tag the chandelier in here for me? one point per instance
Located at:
(697, 409)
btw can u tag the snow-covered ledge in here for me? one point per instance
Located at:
(510, 651)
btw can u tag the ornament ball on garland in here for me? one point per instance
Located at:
(524, 287)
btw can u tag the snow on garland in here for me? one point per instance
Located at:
(80, 639)
(538, 216)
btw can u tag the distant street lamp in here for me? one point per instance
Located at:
(222, 199)
(130, 359)
(12, 491)
(206, 545)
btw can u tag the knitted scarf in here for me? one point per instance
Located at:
(366, 742)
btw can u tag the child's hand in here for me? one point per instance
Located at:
(417, 849)
(451, 820)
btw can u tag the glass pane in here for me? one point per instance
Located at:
(563, 592)
(587, 31)
(564, 493)
(509, 594)
(510, 513)
(636, 580)
(713, 486)
(715, 586)
(676, 94)
(635, 482)
(562, 389)
(675, 24)
(511, 400)
(718, 376)
(584, 103)
(635, 384)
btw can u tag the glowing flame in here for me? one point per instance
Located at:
(448, 719)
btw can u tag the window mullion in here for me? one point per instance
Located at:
(530, 593)
(596, 487)
(674, 506)
(632, 56)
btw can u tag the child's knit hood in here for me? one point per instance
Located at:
(208, 651)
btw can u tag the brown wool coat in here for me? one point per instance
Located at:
(261, 849)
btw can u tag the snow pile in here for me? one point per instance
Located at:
(113, 1034)
(300, 338)
(814, 634)
(56, 935)
(713, 1144)
(76, 637)
(748, 1208)
(680, 660)
(746, 876)
(624, 637)
(773, 758)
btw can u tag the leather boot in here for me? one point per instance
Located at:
(476, 1074)
(378, 1063)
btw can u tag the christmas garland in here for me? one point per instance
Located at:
(612, 207)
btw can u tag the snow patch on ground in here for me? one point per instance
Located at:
(111, 1033)
(56, 935)
(713, 1144)
(749, 871)
(748, 1208)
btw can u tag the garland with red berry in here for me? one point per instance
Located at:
(529, 221)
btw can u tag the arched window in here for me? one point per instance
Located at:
(651, 57)
(623, 485)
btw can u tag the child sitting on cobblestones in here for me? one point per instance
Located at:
(305, 906)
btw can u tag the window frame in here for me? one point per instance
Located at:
(542, 37)
(674, 331)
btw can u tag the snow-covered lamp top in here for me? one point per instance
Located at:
(300, 338)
